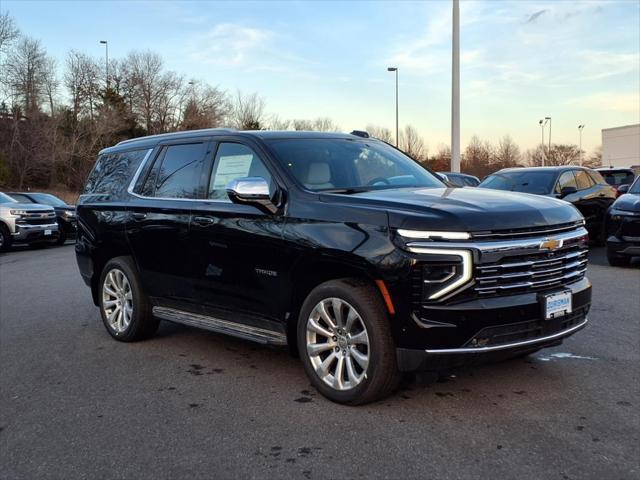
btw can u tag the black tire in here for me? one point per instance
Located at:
(142, 323)
(618, 260)
(5, 238)
(381, 376)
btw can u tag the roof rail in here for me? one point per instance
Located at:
(171, 134)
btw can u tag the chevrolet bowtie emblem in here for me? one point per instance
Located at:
(551, 244)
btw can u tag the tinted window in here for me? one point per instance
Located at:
(596, 177)
(583, 179)
(615, 179)
(527, 181)
(635, 188)
(232, 161)
(471, 182)
(567, 179)
(335, 163)
(18, 197)
(112, 172)
(176, 172)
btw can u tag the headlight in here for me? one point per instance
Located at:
(18, 212)
(444, 271)
(430, 235)
(69, 213)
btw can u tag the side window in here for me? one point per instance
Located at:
(112, 172)
(597, 178)
(583, 179)
(176, 172)
(566, 180)
(234, 160)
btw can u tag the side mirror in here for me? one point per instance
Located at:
(623, 189)
(252, 191)
(567, 191)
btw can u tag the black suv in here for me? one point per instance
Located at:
(341, 247)
(583, 187)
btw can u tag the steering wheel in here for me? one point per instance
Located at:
(378, 179)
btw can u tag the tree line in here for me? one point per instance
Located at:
(55, 118)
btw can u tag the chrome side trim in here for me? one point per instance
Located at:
(506, 346)
(217, 325)
(499, 245)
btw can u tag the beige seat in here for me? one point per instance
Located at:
(318, 176)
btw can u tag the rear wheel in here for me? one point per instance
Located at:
(5, 238)
(345, 342)
(125, 309)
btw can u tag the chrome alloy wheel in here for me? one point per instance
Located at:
(117, 300)
(337, 344)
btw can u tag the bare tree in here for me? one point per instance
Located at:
(82, 79)
(25, 70)
(412, 144)
(205, 107)
(478, 158)
(507, 154)
(247, 112)
(50, 83)
(276, 123)
(8, 31)
(381, 133)
(595, 159)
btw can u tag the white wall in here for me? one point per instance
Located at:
(621, 146)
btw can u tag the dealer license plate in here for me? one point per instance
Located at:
(47, 232)
(557, 305)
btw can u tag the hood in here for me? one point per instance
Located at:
(27, 206)
(463, 209)
(628, 201)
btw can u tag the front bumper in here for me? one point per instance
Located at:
(25, 233)
(490, 329)
(623, 246)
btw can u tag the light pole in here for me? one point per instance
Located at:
(580, 128)
(106, 63)
(542, 123)
(455, 88)
(548, 119)
(395, 69)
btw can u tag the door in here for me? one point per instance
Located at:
(158, 217)
(237, 253)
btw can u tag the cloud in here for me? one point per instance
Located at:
(628, 102)
(533, 17)
(230, 44)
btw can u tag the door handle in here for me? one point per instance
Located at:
(203, 221)
(138, 216)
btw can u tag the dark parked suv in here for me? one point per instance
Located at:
(583, 187)
(338, 246)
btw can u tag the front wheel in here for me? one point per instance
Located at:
(5, 238)
(345, 342)
(618, 260)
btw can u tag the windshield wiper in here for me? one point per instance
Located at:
(346, 191)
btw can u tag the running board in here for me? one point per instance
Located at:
(260, 335)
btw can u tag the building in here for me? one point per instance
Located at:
(621, 146)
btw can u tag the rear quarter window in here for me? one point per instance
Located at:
(112, 173)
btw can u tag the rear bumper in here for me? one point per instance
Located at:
(35, 233)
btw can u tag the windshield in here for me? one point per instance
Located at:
(526, 181)
(4, 198)
(47, 199)
(335, 164)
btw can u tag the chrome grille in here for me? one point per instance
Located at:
(38, 217)
(536, 271)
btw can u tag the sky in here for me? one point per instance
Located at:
(577, 62)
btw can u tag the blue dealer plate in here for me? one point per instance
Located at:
(557, 304)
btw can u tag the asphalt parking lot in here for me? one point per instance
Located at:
(192, 404)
